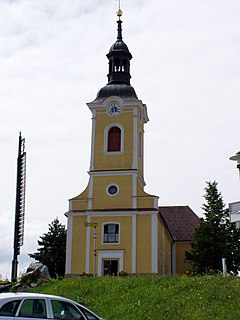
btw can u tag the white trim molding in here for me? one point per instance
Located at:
(156, 202)
(113, 99)
(93, 139)
(111, 173)
(134, 190)
(90, 193)
(140, 144)
(134, 242)
(88, 246)
(135, 139)
(69, 245)
(96, 213)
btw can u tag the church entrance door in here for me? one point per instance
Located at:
(110, 267)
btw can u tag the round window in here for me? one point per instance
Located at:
(112, 190)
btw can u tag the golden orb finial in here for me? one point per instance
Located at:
(119, 12)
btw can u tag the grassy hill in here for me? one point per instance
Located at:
(153, 298)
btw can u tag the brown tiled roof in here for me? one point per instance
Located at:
(180, 221)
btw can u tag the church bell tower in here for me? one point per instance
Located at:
(113, 223)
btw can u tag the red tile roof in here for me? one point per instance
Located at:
(180, 221)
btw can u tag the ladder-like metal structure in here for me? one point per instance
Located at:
(20, 205)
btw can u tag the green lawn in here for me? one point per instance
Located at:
(153, 298)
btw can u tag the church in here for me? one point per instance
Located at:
(114, 226)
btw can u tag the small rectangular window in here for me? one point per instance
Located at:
(111, 233)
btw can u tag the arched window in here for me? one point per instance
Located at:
(117, 65)
(114, 139)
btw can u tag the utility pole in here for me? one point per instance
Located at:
(20, 205)
(94, 250)
(94, 226)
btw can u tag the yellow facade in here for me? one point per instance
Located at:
(78, 245)
(114, 225)
(164, 256)
(181, 265)
(144, 244)
(131, 210)
(103, 201)
(107, 161)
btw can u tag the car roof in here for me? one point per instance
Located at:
(21, 295)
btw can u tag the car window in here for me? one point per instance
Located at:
(9, 308)
(33, 308)
(89, 315)
(65, 310)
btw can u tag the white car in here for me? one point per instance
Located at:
(25, 306)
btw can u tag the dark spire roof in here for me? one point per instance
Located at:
(119, 59)
(119, 69)
(119, 36)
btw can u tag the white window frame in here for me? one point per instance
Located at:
(110, 243)
(109, 185)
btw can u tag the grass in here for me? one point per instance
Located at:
(153, 298)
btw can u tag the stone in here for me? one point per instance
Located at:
(36, 272)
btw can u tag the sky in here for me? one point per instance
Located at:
(185, 68)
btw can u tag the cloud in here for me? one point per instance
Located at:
(6, 241)
(185, 67)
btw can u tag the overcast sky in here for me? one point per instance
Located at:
(185, 67)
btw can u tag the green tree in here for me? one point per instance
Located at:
(52, 249)
(215, 237)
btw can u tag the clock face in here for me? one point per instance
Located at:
(114, 109)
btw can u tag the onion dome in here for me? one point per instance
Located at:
(119, 69)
